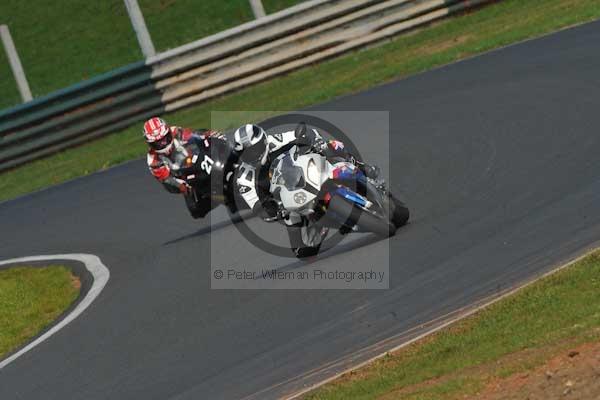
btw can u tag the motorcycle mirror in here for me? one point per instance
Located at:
(300, 130)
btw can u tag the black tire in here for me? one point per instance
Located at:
(367, 221)
(399, 212)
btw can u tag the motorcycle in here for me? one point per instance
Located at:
(201, 162)
(333, 194)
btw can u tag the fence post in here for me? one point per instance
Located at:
(139, 26)
(257, 8)
(15, 63)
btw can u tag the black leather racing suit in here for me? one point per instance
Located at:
(216, 158)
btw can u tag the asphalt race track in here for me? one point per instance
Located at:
(497, 157)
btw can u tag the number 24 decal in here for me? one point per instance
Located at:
(206, 165)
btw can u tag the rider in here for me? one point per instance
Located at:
(166, 145)
(257, 149)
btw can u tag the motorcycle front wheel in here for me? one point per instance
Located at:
(366, 220)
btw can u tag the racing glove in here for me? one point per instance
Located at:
(271, 211)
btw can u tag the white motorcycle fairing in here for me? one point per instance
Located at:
(297, 179)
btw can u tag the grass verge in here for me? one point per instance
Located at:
(79, 39)
(494, 26)
(175, 23)
(30, 299)
(515, 335)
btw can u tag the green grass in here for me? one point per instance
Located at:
(30, 299)
(562, 308)
(64, 42)
(450, 40)
(272, 6)
(174, 23)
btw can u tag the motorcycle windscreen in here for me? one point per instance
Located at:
(289, 175)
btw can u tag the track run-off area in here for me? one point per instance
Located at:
(496, 156)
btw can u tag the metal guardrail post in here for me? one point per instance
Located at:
(257, 8)
(139, 26)
(15, 63)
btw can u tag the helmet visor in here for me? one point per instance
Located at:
(162, 143)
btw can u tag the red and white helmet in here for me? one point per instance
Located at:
(158, 135)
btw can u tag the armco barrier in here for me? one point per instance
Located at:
(307, 33)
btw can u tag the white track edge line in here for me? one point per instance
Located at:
(100, 274)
